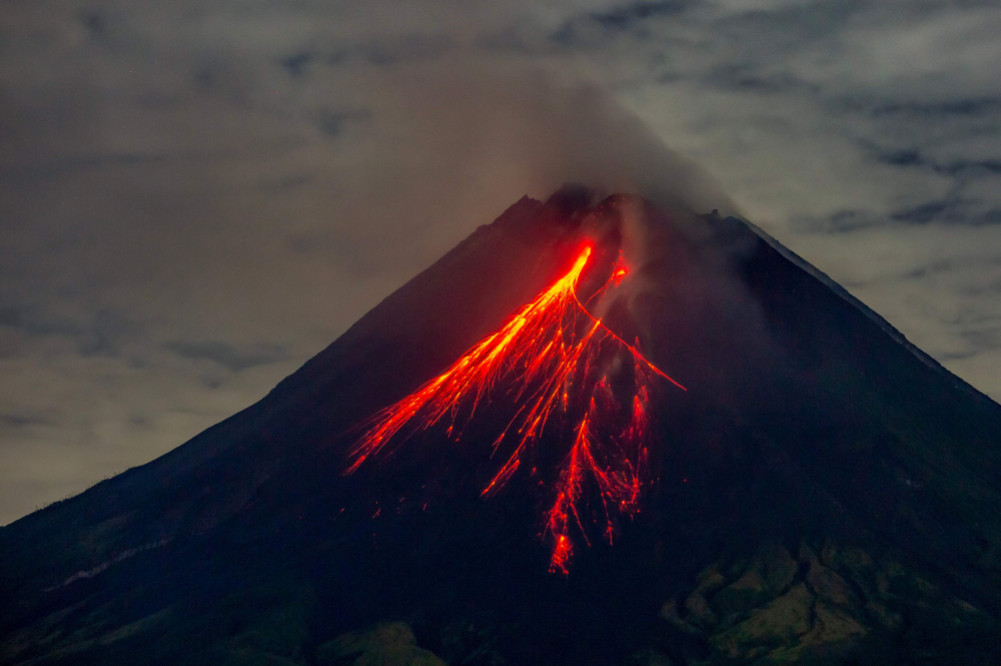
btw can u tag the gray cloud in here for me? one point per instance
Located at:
(227, 355)
(196, 198)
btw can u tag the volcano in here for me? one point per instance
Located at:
(595, 432)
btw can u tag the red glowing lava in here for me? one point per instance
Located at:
(552, 357)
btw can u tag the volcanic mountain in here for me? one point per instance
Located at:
(595, 432)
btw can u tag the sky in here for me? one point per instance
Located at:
(196, 197)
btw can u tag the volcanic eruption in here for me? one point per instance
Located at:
(552, 361)
(595, 432)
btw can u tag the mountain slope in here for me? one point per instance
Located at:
(821, 490)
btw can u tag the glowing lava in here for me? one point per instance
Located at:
(556, 364)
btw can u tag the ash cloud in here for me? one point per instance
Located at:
(519, 129)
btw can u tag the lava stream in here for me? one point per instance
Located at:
(551, 357)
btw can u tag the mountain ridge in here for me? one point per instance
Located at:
(858, 303)
(816, 474)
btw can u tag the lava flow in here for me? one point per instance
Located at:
(564, 372)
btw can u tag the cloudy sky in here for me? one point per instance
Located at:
(196, 197)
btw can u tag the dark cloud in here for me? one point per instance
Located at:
(901, 158)
(636, 21)
(753, 79)
(961, 168)
(951, 211)
(926, 212)
(297, 63)
(95, 22)
(951, 107)
(623, 17)
(840, 221)
(332, 123)
(100, 332)
(21, 421)
(227, 355)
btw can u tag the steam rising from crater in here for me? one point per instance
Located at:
(480, 135)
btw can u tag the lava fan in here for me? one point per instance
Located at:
(554, 368)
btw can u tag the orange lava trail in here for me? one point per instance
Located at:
(546, 359)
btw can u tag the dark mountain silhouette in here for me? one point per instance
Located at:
(823, 492)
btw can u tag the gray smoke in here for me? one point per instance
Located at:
(485, 133)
